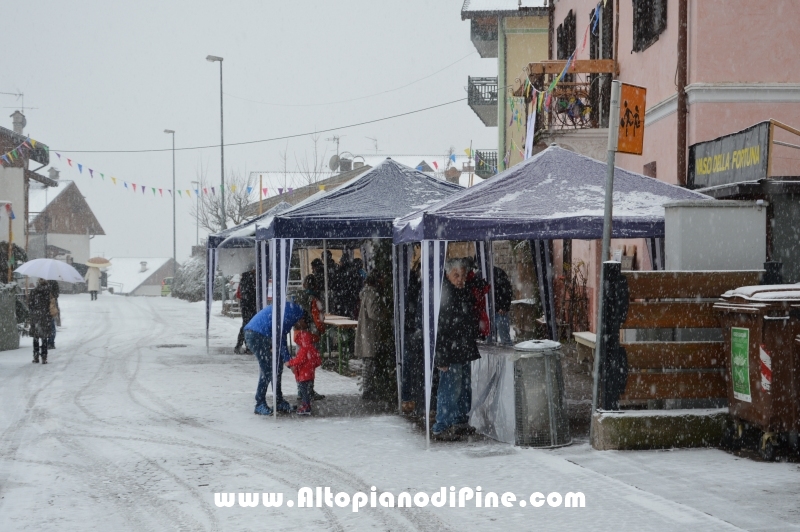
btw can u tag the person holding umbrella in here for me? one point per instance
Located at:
(41, 319)
(40, 303)
(93, 275)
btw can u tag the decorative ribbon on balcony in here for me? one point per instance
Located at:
(544, 97)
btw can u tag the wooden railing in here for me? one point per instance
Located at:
(580, 100)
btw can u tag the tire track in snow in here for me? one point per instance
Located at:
(11, 438)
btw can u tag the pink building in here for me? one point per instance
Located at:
(734, 66)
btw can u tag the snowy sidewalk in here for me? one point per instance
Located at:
(119, 432)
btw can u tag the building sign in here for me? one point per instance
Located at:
(734, 158)
(740, 363)
(631, 119)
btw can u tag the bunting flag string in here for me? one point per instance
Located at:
(30, 144)
(16, 153)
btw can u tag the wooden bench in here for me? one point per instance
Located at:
(676, 300)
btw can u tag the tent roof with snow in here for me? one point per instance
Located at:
(362, 208)
(248, 228)
(557, 194)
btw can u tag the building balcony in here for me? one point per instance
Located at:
(483, 33)
(482, 98)
(485, 163)
(581, 100)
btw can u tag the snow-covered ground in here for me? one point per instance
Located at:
(117, 433)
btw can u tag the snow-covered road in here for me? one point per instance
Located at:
(119, 432)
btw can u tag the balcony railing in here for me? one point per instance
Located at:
(485, 163)
(482, 98)
(581, 100)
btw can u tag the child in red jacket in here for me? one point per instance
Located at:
(304, 363)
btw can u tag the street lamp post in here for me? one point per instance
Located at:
(174, 239)
(197, 212)
(214, 58)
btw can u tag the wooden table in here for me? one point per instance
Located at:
(586, 342)
(339, 322)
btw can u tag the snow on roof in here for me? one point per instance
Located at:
(40, 196)
(125, 273)
(473, 6)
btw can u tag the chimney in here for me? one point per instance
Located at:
(18, 119)
(144, 266)
(345, 165)
(53, 173)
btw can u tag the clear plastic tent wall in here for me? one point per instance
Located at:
(362, 209)
(557, 194)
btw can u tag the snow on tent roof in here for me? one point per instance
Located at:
(553, 195)
(248, 228)
(39, 197)
(362, 208)
(493, 6)
(125, 273)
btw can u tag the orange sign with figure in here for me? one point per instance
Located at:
(631, 119)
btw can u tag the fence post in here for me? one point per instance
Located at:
(614, 360)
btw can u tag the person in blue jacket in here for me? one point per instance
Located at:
(258, 336)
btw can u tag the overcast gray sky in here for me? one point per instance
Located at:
(113, 76)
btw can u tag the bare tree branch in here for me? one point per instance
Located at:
(237, 198)
(311, 170)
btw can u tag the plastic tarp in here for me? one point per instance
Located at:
(248, 228)
(493, 412)
(362, 208)
(556, 194)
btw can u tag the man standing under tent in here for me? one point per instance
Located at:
(247, 303)
(503, 294)
(456, 347)
(258, 335)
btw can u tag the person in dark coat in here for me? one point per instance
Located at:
(413, 387)
(247, 303)
(41, 320)
(318, 271)
(503, 294)
(456, 348)
(55, 291)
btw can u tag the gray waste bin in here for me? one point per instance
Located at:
(540, 396)
(9, 335)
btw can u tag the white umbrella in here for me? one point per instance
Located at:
(50, 269)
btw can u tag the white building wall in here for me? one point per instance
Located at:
(77, 244)
(12, 188)
(715, 235)
(147, 290)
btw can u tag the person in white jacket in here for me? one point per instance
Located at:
(92, 278)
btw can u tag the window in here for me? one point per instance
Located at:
(649, 21)
(565, 37)
(566, 40)
(601, 46)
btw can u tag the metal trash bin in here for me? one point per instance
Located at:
(764, 374)
(540, 396)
